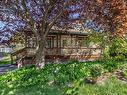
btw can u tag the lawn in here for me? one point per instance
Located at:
(63, 79)
(112, 86)
(5, 60)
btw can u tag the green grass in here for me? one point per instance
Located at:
(59, 79)
(37, 89)
(112, 86)
(28, 81)
(5, 60)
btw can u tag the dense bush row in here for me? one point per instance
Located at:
(58, 73)
(114, 47)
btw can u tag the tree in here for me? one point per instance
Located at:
(111, 15)
(39, 16)
(117, 17)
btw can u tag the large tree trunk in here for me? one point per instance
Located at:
(40, 54)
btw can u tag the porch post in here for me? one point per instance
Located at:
(26, 39)
(60, 44)
(11, 58)
(57, 43)
(71, 44)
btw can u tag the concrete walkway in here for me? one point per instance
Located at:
(7, 67)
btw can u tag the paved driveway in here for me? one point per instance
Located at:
(6, 68)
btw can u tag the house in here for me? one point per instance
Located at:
(5, 49)
(61, 46)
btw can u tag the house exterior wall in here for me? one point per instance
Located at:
(64, 47)
(5, 49)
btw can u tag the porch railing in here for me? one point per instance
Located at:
(73, 51)
(82, 53)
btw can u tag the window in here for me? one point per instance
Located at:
(31, 42)
(68, 41)
(64, 44)
(49, 43)
(81, 41)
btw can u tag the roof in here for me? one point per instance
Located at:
(63, 32)
(76, 29)
(1, 46)
(69, 32)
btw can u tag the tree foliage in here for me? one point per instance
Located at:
(111, 15)
(41, 16)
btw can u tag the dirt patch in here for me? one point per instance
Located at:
(101, 80)
(120, 75)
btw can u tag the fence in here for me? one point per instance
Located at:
(5, 50)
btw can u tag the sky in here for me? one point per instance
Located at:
(5, 37)
(90, 24)
(1, 25)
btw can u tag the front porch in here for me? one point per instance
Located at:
(59, 48)
(65, 54)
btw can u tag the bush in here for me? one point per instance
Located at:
(118, 49)
(110, 65)
(58, 74)
(96, 70)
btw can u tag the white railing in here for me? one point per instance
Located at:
(6, 50)
(74, 51)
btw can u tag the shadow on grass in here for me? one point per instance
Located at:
(112, 86)
(37, 89)
(28, 82)
(58, 79)
(4, 62)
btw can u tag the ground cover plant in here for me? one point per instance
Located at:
(5, 60)
(61, 79)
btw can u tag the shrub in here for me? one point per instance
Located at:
(110, 65)
(59, 74)
(96, 70)
(118, 49)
